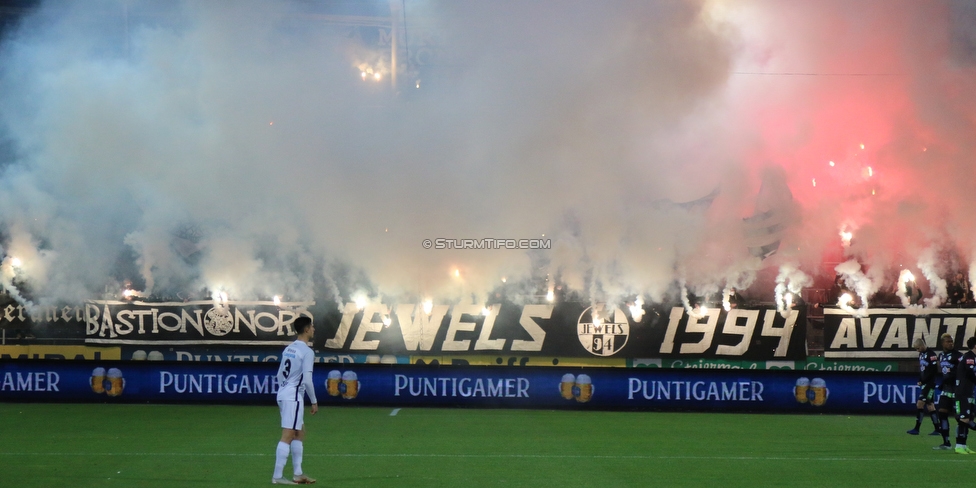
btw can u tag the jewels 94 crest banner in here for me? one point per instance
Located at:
(562, 329)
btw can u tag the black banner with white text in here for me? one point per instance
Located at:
(569, 329)
(889, 333)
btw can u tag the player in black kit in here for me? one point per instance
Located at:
(928, 362)
(965, 380)
(948, 360)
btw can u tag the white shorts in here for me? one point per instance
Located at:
(292, 414)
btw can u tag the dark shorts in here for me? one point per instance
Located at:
(947, 401)
(926, 394)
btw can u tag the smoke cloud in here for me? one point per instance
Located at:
(180, 146)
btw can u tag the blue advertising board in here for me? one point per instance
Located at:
(400, 385)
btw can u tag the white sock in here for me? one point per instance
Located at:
(297, 449)
(281, 457)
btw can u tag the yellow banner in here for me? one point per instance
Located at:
(60, 352)
(488, 360)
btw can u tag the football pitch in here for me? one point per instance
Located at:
(82, 445)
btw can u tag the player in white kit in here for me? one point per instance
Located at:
(294, 382)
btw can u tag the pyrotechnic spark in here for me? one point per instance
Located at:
(845, 237)
(485, 311)
(831, 164)
(845, 299)
(637, 309)
(16, 262)
(360, 300)
(550, 296)
(428, 306)
(277, 300)
(387, 321)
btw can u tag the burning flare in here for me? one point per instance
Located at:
(637, 309)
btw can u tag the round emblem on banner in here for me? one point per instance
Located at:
(218, 321)
(603, 332)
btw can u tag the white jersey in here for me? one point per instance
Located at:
(295, 373)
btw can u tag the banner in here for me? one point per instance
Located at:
(198, 322)
(889, 333)
(565, 330)
(517, 387)
(567, 333)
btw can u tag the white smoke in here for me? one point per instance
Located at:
(858, 282)
(789, 284)
(595, 124)
(937, 285)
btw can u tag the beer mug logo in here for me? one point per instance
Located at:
(819, 389)
(579, 387)
(98, 380)
(111, 383)
(332, 382)
(116, 382)
(350, 385)
(566, 386)
(583, 390)
(800, 390)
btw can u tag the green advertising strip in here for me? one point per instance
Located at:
(820, 364)
(810, 364)
(706, 363)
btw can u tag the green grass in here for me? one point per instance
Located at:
(79, 445)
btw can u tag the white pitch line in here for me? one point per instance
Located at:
(394, 412)
(494, 456)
